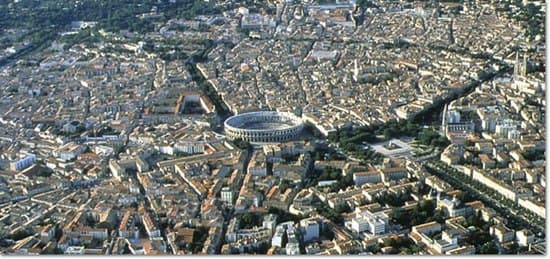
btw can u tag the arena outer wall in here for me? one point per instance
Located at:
(290, 126)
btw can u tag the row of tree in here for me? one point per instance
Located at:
(464, 182)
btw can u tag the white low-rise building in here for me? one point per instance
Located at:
(190, 147)
(74, 250)
(502, 233)
(524, 237)
(69, 151)
(533, 205)
(360, 178)
(277, 239)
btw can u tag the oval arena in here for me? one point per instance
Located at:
(263, 126)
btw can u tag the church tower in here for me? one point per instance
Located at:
(355, 71)
(520, 69)
(451, 35)
(516, 67)
(524, 66)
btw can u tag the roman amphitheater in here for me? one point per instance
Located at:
(263, 126)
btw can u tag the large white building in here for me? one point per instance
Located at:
(74, 250)
(447, 242)
(257, 21)
(453, 117)
(280, 231)
(310, 228)
(466, 127)
(128, 227)
(502, 233)
(190, 147)
(227, 195)
(504, 127)
(514, 134)
(524, 237)
(292, 248)
(360, 178)
(69, 151)
(270, 222)
(374, 223)
(277, 239)
(22, 162)
(494, 184)
(534, 206)
(150, 227)
(489, 116)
